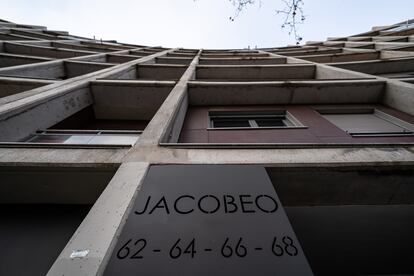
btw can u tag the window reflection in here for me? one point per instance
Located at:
(85, 137)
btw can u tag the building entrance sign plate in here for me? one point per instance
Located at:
(207, 220)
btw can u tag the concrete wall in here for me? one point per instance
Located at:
(11, 86)
(319, 130)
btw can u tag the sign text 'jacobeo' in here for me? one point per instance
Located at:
(207, 220)
(210, 204)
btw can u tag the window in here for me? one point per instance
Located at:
(85, 137)
(367, 122)
(252, 119)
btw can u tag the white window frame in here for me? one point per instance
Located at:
(81, 132)
(408, 128)
(288, 119)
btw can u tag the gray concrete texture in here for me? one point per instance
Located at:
(47, 76)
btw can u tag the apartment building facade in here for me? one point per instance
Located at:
(121, 159)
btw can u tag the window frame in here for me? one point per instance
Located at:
(408, 127)
(288, 119)
(96, 133)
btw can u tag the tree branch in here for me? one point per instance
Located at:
(293, 12)
(294, 15)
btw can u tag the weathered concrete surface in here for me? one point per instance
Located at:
(45, 70)
(99, 230)
(160, 72)
(7, 60)
(133, 100)
(44, 106)
(61, 99)
(11, 86)
(289, 92)
(249, 72)
(40, 115)
(400, 95)
(312, 157)
(18, 156)
(376, 67)
(162, 122)
(242, 61)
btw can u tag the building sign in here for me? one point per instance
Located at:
(207, 220)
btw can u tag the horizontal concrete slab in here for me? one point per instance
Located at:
(11, 86)
(7, 60)
(134, 100)
(54, 70)
(160, 72)
(292, 92)
(181, 54)
(78, 68)
(343, 57)
(257, 72)
(173, 60)
(119, 58)
(51, 70)
(11, 37)
(234, 54)
(242, 61)
(375, 67)
(42, 51)
(71, 45)
(310, 52)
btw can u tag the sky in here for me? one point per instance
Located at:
(203, 23)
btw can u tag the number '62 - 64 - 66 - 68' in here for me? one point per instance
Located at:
(230, 248)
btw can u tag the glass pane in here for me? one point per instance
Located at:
(270, 122)
(79, 139)
(114, 140)
(363, 123)
(230, 122)
(49, 138)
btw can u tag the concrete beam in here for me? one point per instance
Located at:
(376, 67)
(173, 60)
(99, 230)
(133, 100)
(292, 92)
(67, 157)
(8, 37)
(242, 61)
(78, 68)
(43, 116)
(34, 34)
(28, 100)
(310, 52)
(160, 72)
(7, 60)
(44, 70)
(11, 86)
(234, 55)
(400, 95)
(66, 45)
(341, 57)
(119, 58)
(258, 72)
(167, 122)
(42, 51)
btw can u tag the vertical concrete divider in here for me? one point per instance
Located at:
(91, 244)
